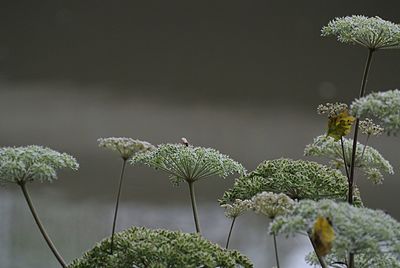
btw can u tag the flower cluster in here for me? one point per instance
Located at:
(368, 127)
(371, 234)
(32, 163)
(332, 109)
(142, 248)
(237, 208)
(370, 32)
(189, 163)
(126, 147)
(383, 106)
(369, 160)
(298, 179)
(272, 205)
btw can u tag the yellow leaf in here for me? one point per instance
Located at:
(322, 236)
(340, 125)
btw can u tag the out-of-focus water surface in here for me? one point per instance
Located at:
(77, 209)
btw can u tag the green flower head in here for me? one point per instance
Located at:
(189, 163)
(371, 162)
(32, 163)
(298, 179)
(237, 208)
(126, 147)
(370, 32)
(382, 106)
(371, 235)
(143, 248)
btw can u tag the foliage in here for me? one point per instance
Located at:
(188, 163)
(371, 234)
(371, 32)
(126, 147)
(146, 248)
(298, 179)
(32, 163)
(384, 106)
(371, 162)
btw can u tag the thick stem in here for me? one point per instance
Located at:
(117, 205)
(230, 232)
(41, 227)
(194, 206)
(354, 151)
(276, 251)
(356, 128)
(320, 258)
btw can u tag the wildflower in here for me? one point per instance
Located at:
(383, 106)
(298, 179)
(126, 147)
(371, 32)
(370, 161)
(32, 163)
(142, 247)
(237, 208)
(368, 127)
(272, 204)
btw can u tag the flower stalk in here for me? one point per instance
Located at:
(117, 205)
(230, 233)
(40, 225)
(194, 206)
(276, 251)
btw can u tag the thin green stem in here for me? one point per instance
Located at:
(344, 158)
(365, 147)
(320, 258)
(194, 206)
(230, 232)
(354, 151)
(117, 205)
(40, 225)
(276, 251)
(356, 128)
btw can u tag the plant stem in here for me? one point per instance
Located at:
(40, 225)
(356, 128)
(344, 158)
(230, 232)
(194, 206)
(320, 258)
(276, 251)
(354, 151)
(117, 205)
(365, 147)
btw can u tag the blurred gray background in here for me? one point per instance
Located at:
(243, 77)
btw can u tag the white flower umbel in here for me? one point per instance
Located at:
(234, 210)
(127, 148)
(188, 163)
(383, 106)
(368, 128)
(21, 165)
(370, 161)
(371, 32)
(370, 234)
(272, 204)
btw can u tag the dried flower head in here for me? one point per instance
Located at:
(189, 163)
(237, 208)
(142, 247)
(370, 32)
(372, 234)
(298, 179)
(272, 205)
(32, 163)
(126, 147)
(368, 127)
(332, 109)
(371, 163)
(383, 106)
